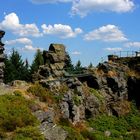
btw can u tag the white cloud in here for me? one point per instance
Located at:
(62, 31)
(49, 1)
(76, 53)
(11, 22)
(113, 49)
(108, 33)
(132, 44)
(83, 7)
(30, 48)
(19, 40)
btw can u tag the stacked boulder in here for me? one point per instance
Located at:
(54, 63)
(1, 57)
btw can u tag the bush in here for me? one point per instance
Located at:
(28, 133)
(17, 93)
(102, 123)
(64, 122)
(41, 92)
(97, 94)
(127, 127)
(15, 112)
(73, 134)
(88, 134)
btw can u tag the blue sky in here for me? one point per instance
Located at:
(90, 29)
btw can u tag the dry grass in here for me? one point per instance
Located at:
(133, 73)
(112, 73)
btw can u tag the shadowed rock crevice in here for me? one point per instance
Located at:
(134, 89)
(91, 81)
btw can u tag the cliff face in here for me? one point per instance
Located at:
(107, 90)
(1, 57)
(111, 86)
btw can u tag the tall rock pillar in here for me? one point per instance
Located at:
(1, 57)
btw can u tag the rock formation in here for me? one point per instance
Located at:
(54, 63)
(1, 57)
(109, 80)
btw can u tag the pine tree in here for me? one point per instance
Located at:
(27, 75)
(90, 65)
(68, 64)
(78, 67)
(38, 60)
(8, 71)
(15, 68)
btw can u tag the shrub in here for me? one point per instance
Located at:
(102, 123)
(72, 134)
(126, 127)
(17, 92)
(28, 133)
(77, 100)
(64, 122)
(88, 134)
(41, 92)
(15, 112)
(97, 94)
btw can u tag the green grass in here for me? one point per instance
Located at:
(97, 94)
(28, 133)
(127, 127)
(15, 115)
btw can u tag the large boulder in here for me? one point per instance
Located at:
(55, 61)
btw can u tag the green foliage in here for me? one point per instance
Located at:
(41, 92)
(90, 65)
(17, 93)
(77, 100)
(72, 134)
(133, 118)
(68, 64)
(102, 123)
(88, 134)
(15, 112)
(28, 133)
(15, 68)
(97, 94)
(78, 67)
(126, 126)
(38, 60)
(64, 122)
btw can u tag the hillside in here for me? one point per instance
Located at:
(102, 103)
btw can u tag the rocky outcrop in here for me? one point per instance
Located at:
(1, 57)
(105, 88)
(54, 63)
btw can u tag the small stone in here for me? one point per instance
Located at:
(107, 133)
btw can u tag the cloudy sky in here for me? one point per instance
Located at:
(90, 29)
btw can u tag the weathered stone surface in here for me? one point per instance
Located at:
(54, 59)
(48, 128)
(57, 48)
(92, 81)
(55, 133)
(92, 105)
(51, 84)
